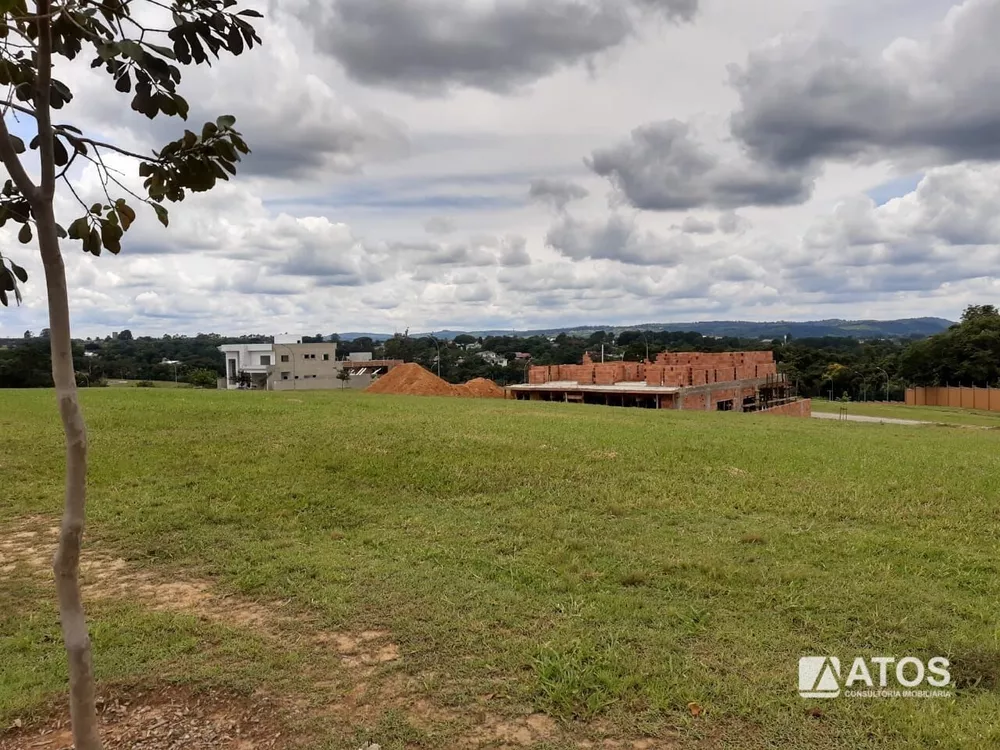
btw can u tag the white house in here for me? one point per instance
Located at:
(494, 359)
(254, 359)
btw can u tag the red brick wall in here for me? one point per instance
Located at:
(802, 408)
(671, 369)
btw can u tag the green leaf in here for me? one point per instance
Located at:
(225, 122)
(124, 83)
(92, 242)
(21, 274)
(24, 236)
(60, 232)
(162, 214)
(111, 236)
(6, 280)
(250, 14)
(3, 298)
(79, 228)
(17, 143)
(125, 214)
(168, 53)
(59, 155)
(97, 209)
(182, 106)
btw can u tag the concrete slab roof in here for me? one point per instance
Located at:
(571, 385)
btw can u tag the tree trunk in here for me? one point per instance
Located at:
(66, 564)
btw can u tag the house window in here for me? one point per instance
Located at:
(284, 357)
(265, 360)
(326, 357)
(284, 375)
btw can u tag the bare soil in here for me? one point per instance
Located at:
(172, 718)
(413, 380)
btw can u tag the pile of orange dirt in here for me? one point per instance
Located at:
(481, 388)
(413, 380)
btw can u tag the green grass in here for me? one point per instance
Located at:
(942, 414)
(156, 384)
(605, 566)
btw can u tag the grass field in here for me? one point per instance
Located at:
(156, 384)
(442, 573)
(940, 414)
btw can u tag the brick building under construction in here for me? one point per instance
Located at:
(729, 381)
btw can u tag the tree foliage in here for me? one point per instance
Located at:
(966, 354)
(139, 51)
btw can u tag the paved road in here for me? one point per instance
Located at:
(860, 418)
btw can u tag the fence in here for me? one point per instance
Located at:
(985, 399)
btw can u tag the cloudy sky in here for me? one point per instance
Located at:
(518, 163)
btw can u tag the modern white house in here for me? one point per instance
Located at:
(287, 364)
(254, 359)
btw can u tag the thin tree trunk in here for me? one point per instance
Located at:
(66, 564)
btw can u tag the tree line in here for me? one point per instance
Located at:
(966, 354)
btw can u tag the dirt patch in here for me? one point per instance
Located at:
(525, 732)
(32, 543)
(168, 719)
(174, 718)
(413, 380)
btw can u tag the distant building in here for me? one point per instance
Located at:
(522, 355)
(494, 359)
(728, 381)
(287, 364)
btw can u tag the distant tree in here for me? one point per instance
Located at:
(126, 335)
(140, 62)
(979, 312)
(27, 334)
(44, 333)
(344, 376)
(464, 339)
(203, 378)
(966, 354)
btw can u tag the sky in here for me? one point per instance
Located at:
(479, 164)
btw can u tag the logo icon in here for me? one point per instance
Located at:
(819, 677)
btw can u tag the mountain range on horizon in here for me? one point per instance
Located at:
(862, 329)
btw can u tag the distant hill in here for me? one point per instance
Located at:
(861, 329)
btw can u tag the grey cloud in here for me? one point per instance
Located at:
(807, 99)
(427, 46)
(617, 239)
(556, 193)
(662, 168)
(732, 223)
(514, 252)
(695, 225)
(439, 225)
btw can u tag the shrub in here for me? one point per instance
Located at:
(145, 384)
(203, 378)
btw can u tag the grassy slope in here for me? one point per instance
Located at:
(582, 560)
(942, 414)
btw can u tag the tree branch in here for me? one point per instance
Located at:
(10, 160)
(43, 112)
(17, 107)
(101, 144)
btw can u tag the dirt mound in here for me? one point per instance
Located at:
(413, 380)
(481, 388)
